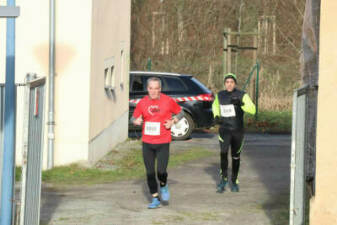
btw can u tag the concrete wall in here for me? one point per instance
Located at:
(109, 67)
(324, 205)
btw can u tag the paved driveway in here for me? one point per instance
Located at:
(263, 196)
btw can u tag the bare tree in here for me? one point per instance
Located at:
(187, 36)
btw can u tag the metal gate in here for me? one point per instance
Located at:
(32, 152)
(300, 152)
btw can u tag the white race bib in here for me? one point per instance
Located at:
(152, 128)
(227, 110)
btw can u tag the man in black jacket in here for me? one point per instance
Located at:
(228, 110)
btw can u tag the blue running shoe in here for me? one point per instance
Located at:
(165, 194)
(221, 186)
(154, 204)
(235, 187)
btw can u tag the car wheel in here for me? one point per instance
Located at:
(183, 129)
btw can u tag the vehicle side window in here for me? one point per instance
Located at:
(174, 84)
(137, 84)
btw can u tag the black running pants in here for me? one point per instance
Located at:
(151, 152)
(233, 139)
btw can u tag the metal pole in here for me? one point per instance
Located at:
(51, 120)
(7, 194)
(249, 78)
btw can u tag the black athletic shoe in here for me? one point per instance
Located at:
(235, 188)
(221, 186)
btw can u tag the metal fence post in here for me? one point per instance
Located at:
(7, 189)
(257, 80)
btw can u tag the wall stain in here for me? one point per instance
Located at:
(64, 53)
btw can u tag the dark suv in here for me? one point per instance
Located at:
(194, 98)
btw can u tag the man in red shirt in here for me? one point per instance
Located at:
(154, 113)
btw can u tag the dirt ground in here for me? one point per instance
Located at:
(263, 197)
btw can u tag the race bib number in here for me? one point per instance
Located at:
(227, 110)
(152, 128)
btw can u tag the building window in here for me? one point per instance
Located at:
(113, 77)
(107, 79)
(109, 74)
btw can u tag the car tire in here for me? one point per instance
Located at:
(183, 129)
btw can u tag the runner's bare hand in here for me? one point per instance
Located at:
(138, 121)
(168, 124)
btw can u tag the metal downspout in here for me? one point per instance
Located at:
(51, 102)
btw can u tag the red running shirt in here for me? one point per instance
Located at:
(154, 113)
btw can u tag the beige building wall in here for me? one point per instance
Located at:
(109, 86)
(73, 51)
(32, 35)
(323, 207)
(88, 34)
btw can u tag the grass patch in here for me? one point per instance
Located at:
(130, 166)
(270, 122)
(18, 173)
